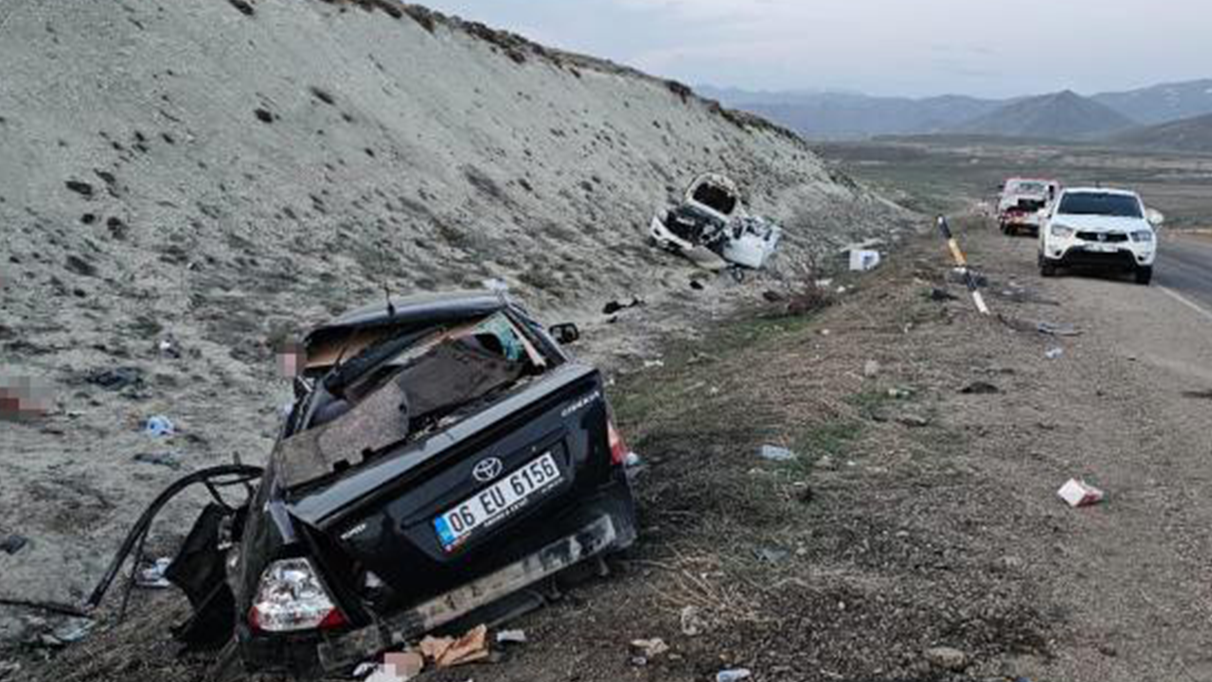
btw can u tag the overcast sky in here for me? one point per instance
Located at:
(887, 47)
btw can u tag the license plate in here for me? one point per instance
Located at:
(497, 502)
(1102, 248)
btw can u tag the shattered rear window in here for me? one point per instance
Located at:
(382, 392)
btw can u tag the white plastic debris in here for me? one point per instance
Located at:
(152, 577)
(495, 284)
(1080, 494)
(734, 675)
(773, 453)
(649, 648)
(862, 260)
(511, 637)
(692, 622)
(1054, 353)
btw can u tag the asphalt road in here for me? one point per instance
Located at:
(1184, 267)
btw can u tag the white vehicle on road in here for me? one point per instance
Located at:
(1021, 201)
(1099, 228)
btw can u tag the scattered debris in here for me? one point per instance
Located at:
(152, 576)
(446, 652)
(771, 296)
(116, 379)
(159, 426)
(960, 275)
(649, 648)
(712, 227)
(494, 284)
(692, 622)
(940, 295)
(771, 555)
(164, 459)
(1058, 329)
(13, 543)
(864, 261)
(396, 667)
(511, 637)
(654, 364)
(168, 347)
(980, 388)
(733, 675)
(900, 393)
(74, 630)
(947, 658)
(1080, 494)
(773, 453)
(1054, 353)
(614, 306)
(871, 369)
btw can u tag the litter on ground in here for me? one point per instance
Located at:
(864, 261)
(773, 453)
(1080, 494)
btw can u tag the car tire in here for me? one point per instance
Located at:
(1144, 275)
(1046, 267)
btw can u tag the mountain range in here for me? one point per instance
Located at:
(1063, 115)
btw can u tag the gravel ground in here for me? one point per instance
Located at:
(917, 515)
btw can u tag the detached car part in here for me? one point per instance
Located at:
(443, 452)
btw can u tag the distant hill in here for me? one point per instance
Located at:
(848, 116)
(1062, 116)
(1191, 134)
(1162, 103)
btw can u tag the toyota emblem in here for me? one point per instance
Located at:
(487, 469)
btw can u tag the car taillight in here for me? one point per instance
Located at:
(618, 448)
(291, 598)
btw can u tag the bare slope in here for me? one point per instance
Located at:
(1162, 103)
(1060, 116)
(209, 174)
(1189, 135)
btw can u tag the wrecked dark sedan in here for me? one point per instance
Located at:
(442, 454)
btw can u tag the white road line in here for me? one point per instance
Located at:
(1187, 302)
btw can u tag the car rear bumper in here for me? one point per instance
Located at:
(600, 525)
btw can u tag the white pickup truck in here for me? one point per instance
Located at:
(1109, 229)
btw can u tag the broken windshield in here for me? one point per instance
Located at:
(715, 198)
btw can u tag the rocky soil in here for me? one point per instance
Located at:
(916, 534)
(182, 183)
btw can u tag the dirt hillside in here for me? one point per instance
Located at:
(180, 182)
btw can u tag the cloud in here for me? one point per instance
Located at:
(882, 46)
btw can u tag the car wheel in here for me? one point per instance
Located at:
(1005, 229)
(1144, 275)
(1046, 267)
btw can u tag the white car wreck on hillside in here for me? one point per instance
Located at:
(713, 228)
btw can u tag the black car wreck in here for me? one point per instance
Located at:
(443, 453)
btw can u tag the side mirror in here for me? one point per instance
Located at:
(1155, 217)
(565, 334)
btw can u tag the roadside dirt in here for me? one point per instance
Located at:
(916, 515)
